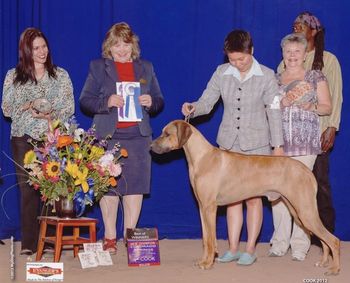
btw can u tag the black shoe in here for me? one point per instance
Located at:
(26, 252)
(49, 250)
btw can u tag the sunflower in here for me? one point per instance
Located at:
(29, 157)
(53, 169)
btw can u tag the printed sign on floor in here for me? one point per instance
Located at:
(143, 247)
(44, 271)
(94, 255)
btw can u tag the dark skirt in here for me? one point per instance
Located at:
(136, 168)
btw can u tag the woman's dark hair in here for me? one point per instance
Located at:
(318, 64)
(25, 69)
(238, 41)
(310, 20)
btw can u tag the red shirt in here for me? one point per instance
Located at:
(126, 74)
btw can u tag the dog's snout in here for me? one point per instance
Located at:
(151, 145)
(154, 147)
(158, 147)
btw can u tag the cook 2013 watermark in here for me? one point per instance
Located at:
(315, 280)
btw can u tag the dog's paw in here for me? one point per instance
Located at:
(322, 263)
(332, 271)
(203, 264)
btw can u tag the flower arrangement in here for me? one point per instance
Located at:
(71, 162)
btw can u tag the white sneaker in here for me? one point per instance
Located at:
(298, 256)
(276, 253)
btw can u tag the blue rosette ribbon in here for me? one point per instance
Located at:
(81, 199)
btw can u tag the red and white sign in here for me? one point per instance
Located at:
(44, 271)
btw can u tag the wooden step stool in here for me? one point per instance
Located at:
(59, 240)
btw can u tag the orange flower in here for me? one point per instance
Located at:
(75, 146)
(64, 141)
(124, 152)
(112, 181)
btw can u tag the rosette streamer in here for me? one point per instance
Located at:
(81, 199)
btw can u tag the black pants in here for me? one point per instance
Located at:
(29, 198)
(324, 194)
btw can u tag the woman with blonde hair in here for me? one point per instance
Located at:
(121, 63)
(304, 98)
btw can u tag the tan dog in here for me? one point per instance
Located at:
(220, 177)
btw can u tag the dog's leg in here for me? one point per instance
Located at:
(208, 218)
(216, 253)
(310, 219)
(329, 241)
(292, 211)
(324, 260)
(199, 263)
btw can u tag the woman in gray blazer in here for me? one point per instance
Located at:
(99, 98)
(251, 124)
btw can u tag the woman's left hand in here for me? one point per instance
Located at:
(145, 100)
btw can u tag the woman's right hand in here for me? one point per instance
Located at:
(188, 108)
(285, 102)
(115, 101)
(26, 106)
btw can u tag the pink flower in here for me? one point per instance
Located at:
(52, 136)
(114, 169)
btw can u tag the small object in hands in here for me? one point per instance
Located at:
(42, 105)
(299, 92)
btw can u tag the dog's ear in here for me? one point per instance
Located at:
(184, 131)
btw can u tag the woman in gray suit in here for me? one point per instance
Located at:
(251, 124)
(110, 110)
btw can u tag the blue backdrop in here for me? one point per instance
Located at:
(184, 40)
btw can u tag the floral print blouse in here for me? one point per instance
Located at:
(301, 128)
(58, 91)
